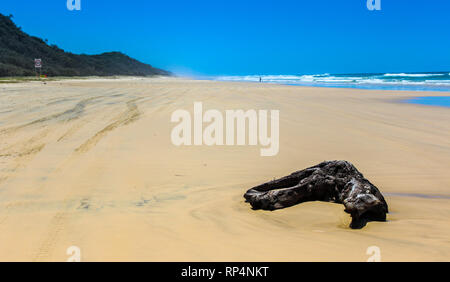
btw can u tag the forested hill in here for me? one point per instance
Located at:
(18, 51)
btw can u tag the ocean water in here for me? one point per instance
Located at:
(427, 81)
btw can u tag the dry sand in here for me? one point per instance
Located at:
(90, 163)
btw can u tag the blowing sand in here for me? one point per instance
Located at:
(90, 163)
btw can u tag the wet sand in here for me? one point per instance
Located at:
(90, 163)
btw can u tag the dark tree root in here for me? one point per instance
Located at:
(330, 181)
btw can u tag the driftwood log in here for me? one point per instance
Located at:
(331, 181)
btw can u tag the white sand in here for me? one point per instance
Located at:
(90, 163)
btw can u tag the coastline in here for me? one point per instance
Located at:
(129, 194)
(13, 80)
(425, 81)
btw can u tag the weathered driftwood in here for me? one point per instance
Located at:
(331, 181)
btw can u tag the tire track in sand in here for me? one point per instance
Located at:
(56, 226)
(130, 115)
(67, 115)
(18, 154)
(58, 223)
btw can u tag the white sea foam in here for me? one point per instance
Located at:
(413, 74)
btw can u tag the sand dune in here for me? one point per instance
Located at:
(90, 163)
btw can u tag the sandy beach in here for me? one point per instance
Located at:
(90, 163)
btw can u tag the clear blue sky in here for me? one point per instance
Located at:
(238, 37)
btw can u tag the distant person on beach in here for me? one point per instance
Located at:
(260, 79)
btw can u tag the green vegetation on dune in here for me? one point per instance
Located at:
(18, 51)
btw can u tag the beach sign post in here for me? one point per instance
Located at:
(38, 65)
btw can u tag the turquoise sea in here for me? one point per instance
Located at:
(423, 81)
(431, 101)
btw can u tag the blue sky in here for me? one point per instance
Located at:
(239, 37)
